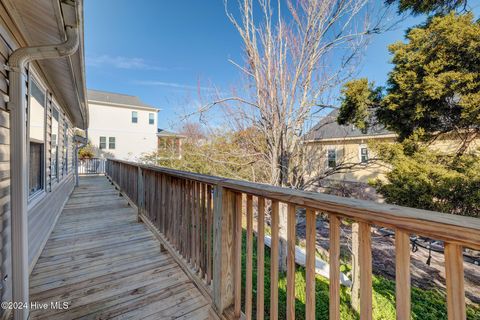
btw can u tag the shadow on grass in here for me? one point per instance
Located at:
(426, 304)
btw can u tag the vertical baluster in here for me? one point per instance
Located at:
(159, 204)
(291, 236)
(181, 199)
(260, 258)
(274, 262)
(192, 223)
(249, 261)
(163, 198)
(197, 224)
(334, 257)
(174, 209)
(238, 255)
(187, 220)
(365, 259)
(402, 274)
(202, 230)
(455, 281)
(209, 234)
(311, 232)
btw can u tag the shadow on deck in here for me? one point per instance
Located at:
(105, 264)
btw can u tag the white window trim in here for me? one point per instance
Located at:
(114, 143)
(100, 142)
(33, 77)
(132, 117)
(336, 157)
(55, 105)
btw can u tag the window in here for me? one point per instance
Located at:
(36, 167)
(151, 118)
(111, 143)
(363, 154)
(134, 116)
(331, 158)
(65, 149)
(36, 130)
(54, 149)
(103, 143)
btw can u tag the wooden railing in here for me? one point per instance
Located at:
(91, 166)
(198, 218)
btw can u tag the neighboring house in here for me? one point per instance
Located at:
(121, 126)
(330, 147)
(43, 98)
(170, 144)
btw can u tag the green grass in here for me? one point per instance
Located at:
(426, 304)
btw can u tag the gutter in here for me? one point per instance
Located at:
(16, 65)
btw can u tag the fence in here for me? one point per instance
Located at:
(200, 220)
(91, 166)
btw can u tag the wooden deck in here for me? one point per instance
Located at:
(106, 265)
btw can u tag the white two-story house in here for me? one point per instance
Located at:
(121, 126)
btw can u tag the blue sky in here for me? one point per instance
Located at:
(163, 51)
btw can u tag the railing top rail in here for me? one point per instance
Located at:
(441, 226)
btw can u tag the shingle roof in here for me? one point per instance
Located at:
(165, 133)
(117, 98)
(328, 128)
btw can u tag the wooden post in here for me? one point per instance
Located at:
(334, 257)
(291, 228)
(311, 235)
(455, 279)
(402, 274)
(355, 293)
(223, 253)
(365, 260)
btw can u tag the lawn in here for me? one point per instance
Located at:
(426, 304)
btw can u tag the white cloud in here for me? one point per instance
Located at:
(172, 85)
(120, 62)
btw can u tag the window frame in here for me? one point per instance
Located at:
(100, 143)
(329, 150)
(65, 147)
(360, 155)
(55, 178)
(110, 143)
(34, 79)
(134, 116)
(151, 118)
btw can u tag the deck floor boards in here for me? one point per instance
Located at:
(108, 266)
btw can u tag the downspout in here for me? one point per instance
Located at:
(17, 63)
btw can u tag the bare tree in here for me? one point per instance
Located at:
(296, 54)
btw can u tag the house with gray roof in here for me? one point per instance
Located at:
(170, 144)
(343, 150)
(122, 126)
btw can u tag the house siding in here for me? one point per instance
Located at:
(132, 140)
(5, 222)
(46, 208)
